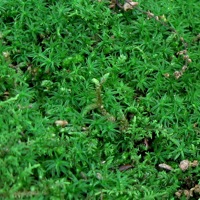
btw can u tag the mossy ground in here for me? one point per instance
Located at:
(87, 91)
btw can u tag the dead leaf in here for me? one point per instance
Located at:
(195, 163)
(62, 123)
(113, 3)
(195, 125)
(125, 167)
(146, 142)
(149, 15)
(186, 193)
(6, 54)
(83, 175)
(182, 52)
(179, 193)
(184, 68)
(99, 176)
(165, 166)
(6, 93)
(184, 165)
(167, 75)
(197, 189)
(178, 74)
(129, 5)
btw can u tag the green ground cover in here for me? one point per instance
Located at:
(94, 101)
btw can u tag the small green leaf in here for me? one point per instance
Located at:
(96, 82)
(72, 59)
(104, 78)
(89, 108)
